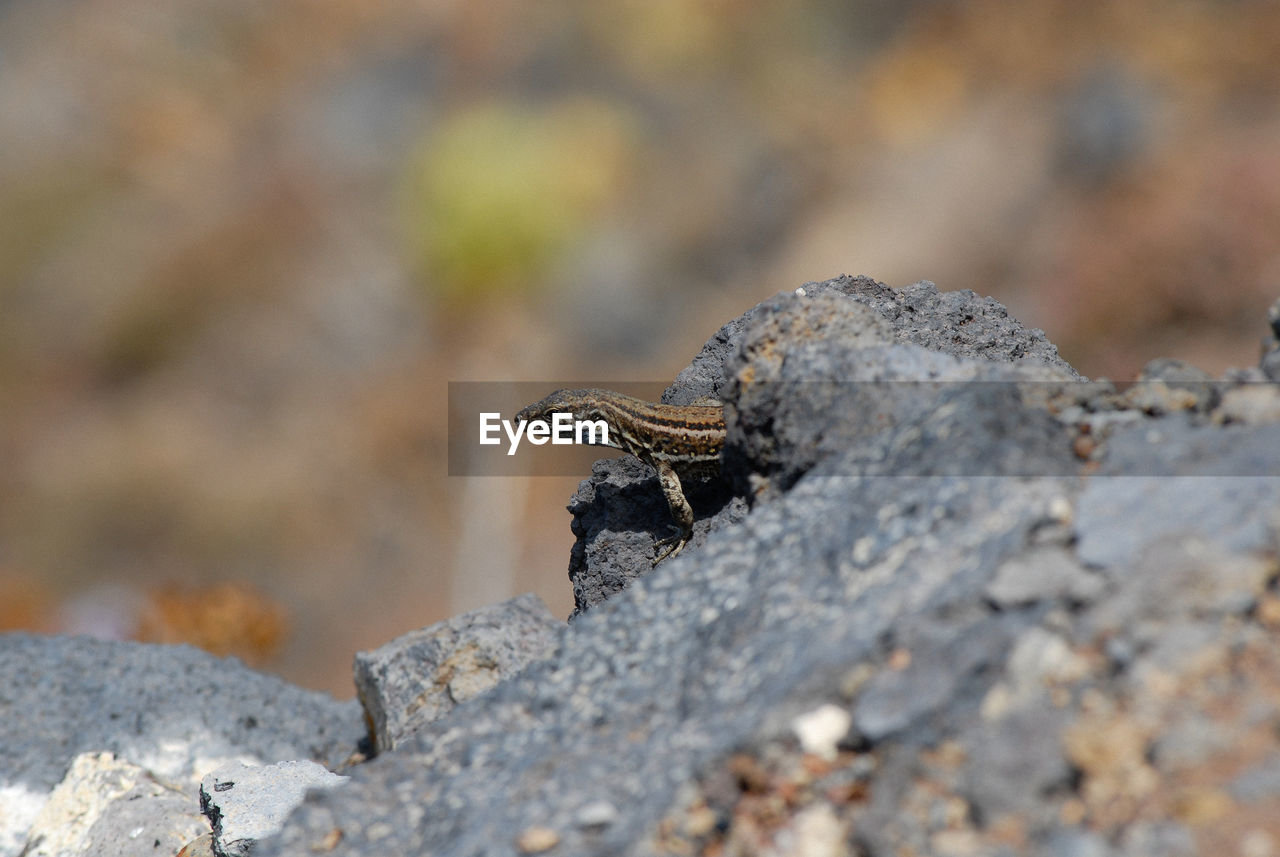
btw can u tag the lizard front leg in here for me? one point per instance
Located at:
(681, 512)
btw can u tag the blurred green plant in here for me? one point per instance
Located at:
(501, 190)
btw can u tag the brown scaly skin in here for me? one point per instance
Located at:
(675, 440)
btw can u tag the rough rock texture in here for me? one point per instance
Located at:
(245, 803)
(173, 711)
(425, 674)
(859, 352)
(619, 514)
(110, 808)
(1030, 656)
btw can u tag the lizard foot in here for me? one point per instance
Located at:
(673, 544)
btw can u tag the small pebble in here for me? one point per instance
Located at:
(821, 730)
(535, 840)
(597, 814)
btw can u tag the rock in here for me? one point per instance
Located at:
(1252, 404)
(1166, 385)
(649, 688)
(246, 803)
(108, 807)
(150, 815)
(848, 328)
(1038, 661)
(619, 514)
(1019, 760)
(172, 711)
(821, 730)
(535, 840)
(816, 377)
(1175, 572)
(828, 572)
(815, 831)
(424, 674)
(1040, 575)
(960, 324)
(942, 658)
(597, 815)
(1120, 517)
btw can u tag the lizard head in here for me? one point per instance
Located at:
(561, 401)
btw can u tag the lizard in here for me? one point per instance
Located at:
(675, 440)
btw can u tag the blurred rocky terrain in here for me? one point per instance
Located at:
(958, 601)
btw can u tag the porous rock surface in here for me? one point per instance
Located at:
(111, 808)
(245, 803)
(1042, 612)
(423, 675)
(156, 718)
(818, 376)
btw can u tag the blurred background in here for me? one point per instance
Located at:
(244, 246)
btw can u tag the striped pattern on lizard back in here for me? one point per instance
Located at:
(675, 440)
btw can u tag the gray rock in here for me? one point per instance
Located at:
(960, 324)
(172, 710)
(1121, 518)
(1039, 659)
(1019, 760)
(1173, 581)
(957, 324)
(1043, 574)
(647, 688)
(878, 344)
(768, 605)
(815, 376)
(246, 803)
(105, 806)
(597, 815)
(1166, 385)
(1179, 445)
(148, 819)
(424, 674)
(944, 658)
(907, 558)
(619, 514)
